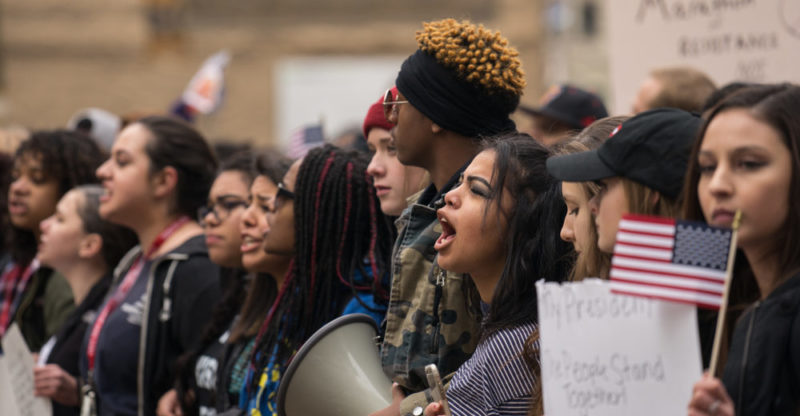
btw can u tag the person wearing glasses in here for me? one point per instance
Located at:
(159, 174)
(327, 217)
(460, 86)
(210, 376)
(394, 182)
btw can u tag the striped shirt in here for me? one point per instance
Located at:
(495, 380)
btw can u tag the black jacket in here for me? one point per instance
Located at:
(762, 374)
(182, 290)
(69, 338)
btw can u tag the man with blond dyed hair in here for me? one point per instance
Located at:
(685, 88)
(457, 89)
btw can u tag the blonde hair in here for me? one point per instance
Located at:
(647, 201)
(480, 56)
(591, 262)
(682, 87)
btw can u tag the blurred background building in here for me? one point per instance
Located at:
(300, 62)
(137, 56)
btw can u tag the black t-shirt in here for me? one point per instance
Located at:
(206, 369)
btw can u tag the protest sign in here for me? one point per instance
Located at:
(730, 40)
(606, 354)
(16, 379)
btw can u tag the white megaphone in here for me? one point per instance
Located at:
(337, 372)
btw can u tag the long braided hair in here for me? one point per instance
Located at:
(339, 230)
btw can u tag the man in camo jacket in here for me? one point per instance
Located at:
(457, 89)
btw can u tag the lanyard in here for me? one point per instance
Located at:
(15, 279)
(125, 287)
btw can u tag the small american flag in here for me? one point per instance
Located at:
(305, 139)
(664, 258)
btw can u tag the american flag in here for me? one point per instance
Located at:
(664, 258)
(305, 139)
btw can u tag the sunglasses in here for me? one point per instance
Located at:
(390, 104)
(282, 196)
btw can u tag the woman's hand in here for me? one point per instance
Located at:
(168, 404)
(394, 408)
(709, 397)
(53, 382)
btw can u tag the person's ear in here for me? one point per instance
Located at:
(435, 128)
(90, 246)
(654, 198)
(165, 181)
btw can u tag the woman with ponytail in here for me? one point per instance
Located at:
(159, 174)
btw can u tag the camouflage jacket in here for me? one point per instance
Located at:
(428, 320)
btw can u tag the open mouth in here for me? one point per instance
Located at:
(447, 236)
(250, 243)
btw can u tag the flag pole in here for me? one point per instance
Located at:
(723, 309)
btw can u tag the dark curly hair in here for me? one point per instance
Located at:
(478, 55)
(6, 162)
(67, 157)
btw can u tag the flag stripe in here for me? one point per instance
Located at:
(672, 275)
(649, 219)
(628, 244)
(665, 293)
(670, 268)
(637, 277)
(658, 229)
(659, 254)
(645, 239)
(657, 235)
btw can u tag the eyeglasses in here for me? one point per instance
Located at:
(390, 105)
(282, 196)
(220, 209)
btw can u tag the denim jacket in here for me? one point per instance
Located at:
(428, 320)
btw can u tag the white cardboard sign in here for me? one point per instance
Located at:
(606, 354)
(730, 40)
(16, 379)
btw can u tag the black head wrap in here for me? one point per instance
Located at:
(451, 102)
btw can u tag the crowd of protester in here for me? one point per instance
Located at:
(153, 274)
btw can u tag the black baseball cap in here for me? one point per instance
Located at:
(570, 105)
(651, 148)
